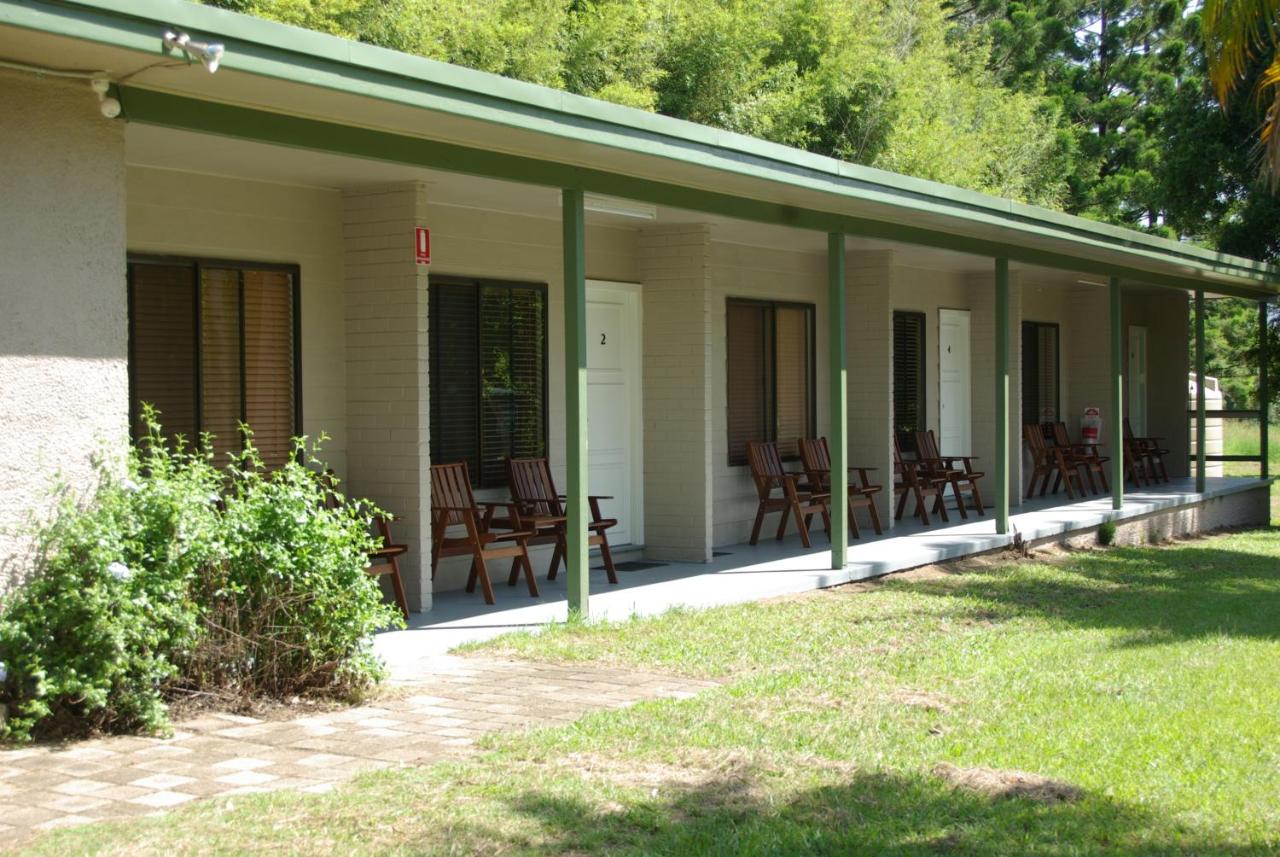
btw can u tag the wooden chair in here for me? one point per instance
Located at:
(1148, 453)
(964, 474)
(1047, 461)
(539, 508)
(452, 505)
(816, 458)
(802, 501)
(911, 479)
(1085, 456)
(383, 562)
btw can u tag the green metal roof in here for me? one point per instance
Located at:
(915, 210)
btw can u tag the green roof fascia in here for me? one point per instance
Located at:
(289, 53)
(150, 107)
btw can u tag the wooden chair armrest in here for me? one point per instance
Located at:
(473, 509)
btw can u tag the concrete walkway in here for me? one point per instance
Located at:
(742, 573)
(437, 716)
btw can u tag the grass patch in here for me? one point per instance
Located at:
(1133, 691)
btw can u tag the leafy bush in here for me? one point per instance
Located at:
(178, 576)
(1106, 533)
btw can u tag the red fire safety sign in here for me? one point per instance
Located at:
(422, 245)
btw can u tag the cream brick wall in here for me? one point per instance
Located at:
(675, 272)
(1166, 316)
(388, 454)
(871, 280)
(63, 330)
(1087, 336)
(212, 217)
(982, 331)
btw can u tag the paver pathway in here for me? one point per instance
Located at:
(437, 715)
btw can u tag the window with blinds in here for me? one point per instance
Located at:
(1040, 385)
(770, 356)
(908, 377)
(213, 345)
(488, 374)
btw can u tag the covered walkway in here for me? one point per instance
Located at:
(743, 573)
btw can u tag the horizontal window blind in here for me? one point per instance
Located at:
(162, 361)
(770, 383)
(212, 345)
(908, 377)
(1040, 368)
(488, 375)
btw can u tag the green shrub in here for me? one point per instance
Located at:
(178, 576)
(1107, 533)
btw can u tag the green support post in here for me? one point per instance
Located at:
(1264, 393)
(838, 442)
(575, 389)
(1117, 397)
(1002, 396)
(1200, 440)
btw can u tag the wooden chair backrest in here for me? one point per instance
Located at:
(815, 457)
(1128, 429)
(897, 452)
(532, 486)
(766, 465)
(927, 445)
(1034, 437)
(451, 489)
(1060, 435)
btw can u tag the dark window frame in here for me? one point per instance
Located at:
(459, 280)
(906, 440)
(198, 264)
(771, 406)
(1057, 365)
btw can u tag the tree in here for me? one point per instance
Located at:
(1237, 34)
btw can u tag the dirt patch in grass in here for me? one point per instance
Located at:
(1007, 784)
(925, 700)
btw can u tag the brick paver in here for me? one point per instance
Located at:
(437, 715)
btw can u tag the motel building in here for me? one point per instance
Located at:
(434, 265)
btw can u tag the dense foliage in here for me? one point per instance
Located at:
(177, 577)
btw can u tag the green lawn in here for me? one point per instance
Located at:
(1148, 678)
(1240, 437)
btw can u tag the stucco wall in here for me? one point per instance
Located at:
(63, 372)
(188, 214)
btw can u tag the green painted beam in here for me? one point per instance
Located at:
(1200, 407)
(1264, 390)
(1002, 395)
(575, 400)
(1117, 396)
(225, 120)
(838, 436)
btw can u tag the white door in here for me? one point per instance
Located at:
(613, 406)
(954, 389)
(1138, 379)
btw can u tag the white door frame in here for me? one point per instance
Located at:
(967, 420)
(630, 292)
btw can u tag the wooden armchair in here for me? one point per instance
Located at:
(816, 458)
(802, 501)
(1084, 455)
(538, 508)
(452, 504)
(1049, 460)
(384, 561)
(914, 480)
(1147, 454)
(958, 475)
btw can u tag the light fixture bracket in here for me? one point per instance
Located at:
(208, 53)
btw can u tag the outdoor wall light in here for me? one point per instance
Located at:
(109, 106)
(209, 53)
